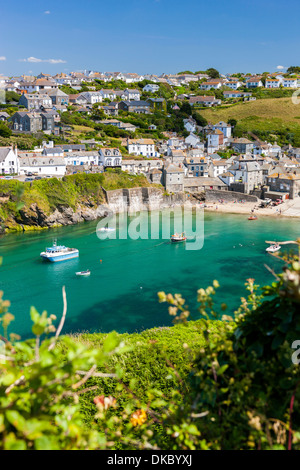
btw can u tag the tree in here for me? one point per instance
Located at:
(200, 120)
(4, 130)
(213, 73)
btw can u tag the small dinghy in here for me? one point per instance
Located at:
(252, 217)
(273, 248)
(106, 229)
(83, 273)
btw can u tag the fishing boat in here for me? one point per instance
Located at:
(176, 238)
(83, 273)
(252, 217)
(273, 248)
(57, 253)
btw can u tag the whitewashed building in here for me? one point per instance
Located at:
(110, 157)
(43, 166)
(145, 147)
(8, 161)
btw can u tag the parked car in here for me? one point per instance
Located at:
(28, 179)
(8, 177)
(29, 173)
(38, 178)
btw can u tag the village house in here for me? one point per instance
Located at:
(58, 97)
(112, 109)
(151, 87)
(35, 101)
(78, 99)
(196, 166)
(272, 83)
(234, 84)
(8, 161)
(210, 85)
(208, 101)
(138, 107)
(26, 121)
(236, 94)
(290, 82)
(40, 84)
(81, 158)
(131, 95)
(254, 82)
(92, 97)
(145, 167)
(42, 165)
(215, 140)
(248, 175)
(217, 167)
(224, 128)
(173, 178)
(241, 145)
(110, 158)
(192, 140)
(283, 184)
(4, 116)
(145, 147)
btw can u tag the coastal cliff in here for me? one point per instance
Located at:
(50, 203)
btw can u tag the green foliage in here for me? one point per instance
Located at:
(4, 130)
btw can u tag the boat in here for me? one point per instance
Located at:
(57, 253)
(83, 273)
(273, 248)
(106, 229)
(252, 217)
(176, 238)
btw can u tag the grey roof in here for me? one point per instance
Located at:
(41, 161)
(52, 151)
(4, 151)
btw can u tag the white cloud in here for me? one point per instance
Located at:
(280, 67)
(2, 57)
(49, 61)
(47, 12)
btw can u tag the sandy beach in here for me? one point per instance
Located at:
(290, 208)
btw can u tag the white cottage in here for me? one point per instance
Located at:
(8, 161)
(43, 166)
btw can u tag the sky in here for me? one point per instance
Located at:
(148, 36)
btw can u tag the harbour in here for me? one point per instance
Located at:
(126, 274)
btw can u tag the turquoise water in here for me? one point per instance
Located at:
(121, 293)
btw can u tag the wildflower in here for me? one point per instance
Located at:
(103, 403)
(138, 418)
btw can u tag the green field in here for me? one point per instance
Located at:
(275, 119)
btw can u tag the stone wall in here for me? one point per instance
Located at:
(212, 195)
(138, 199)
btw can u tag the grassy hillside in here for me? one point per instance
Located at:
(280, 108)
(275, 119)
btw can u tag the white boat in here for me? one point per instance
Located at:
(178, 238)
(273, 248)
(83, 273)
(57, 253)
(106, 229)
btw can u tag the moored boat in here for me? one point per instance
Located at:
(83, 273)
(176, 238)
(57, 253)
(106, 229)
(252, 217)
(273, 248)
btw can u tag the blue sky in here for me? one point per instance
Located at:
(148, 36)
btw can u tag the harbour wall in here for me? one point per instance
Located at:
(213, 195)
